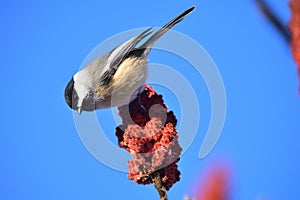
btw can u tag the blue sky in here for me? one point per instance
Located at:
(44, 43)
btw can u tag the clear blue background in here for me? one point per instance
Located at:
(44, 43)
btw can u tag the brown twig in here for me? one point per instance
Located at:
(159, 187)
(273, 18)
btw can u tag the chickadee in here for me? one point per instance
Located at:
(111, 79)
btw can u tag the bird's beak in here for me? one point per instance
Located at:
(79, 110)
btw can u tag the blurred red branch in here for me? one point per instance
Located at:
(215, 185)
(290, 33)
(294, 27)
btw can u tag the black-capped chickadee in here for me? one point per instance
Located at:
(111, 79)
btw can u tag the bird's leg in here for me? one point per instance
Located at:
(138, 101)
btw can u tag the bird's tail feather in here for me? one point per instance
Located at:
(149, 43)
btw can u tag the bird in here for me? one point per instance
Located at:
(115, 77)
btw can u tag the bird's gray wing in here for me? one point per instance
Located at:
(117, 55)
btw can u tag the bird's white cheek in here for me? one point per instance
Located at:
(81, 91)
(81, 86)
